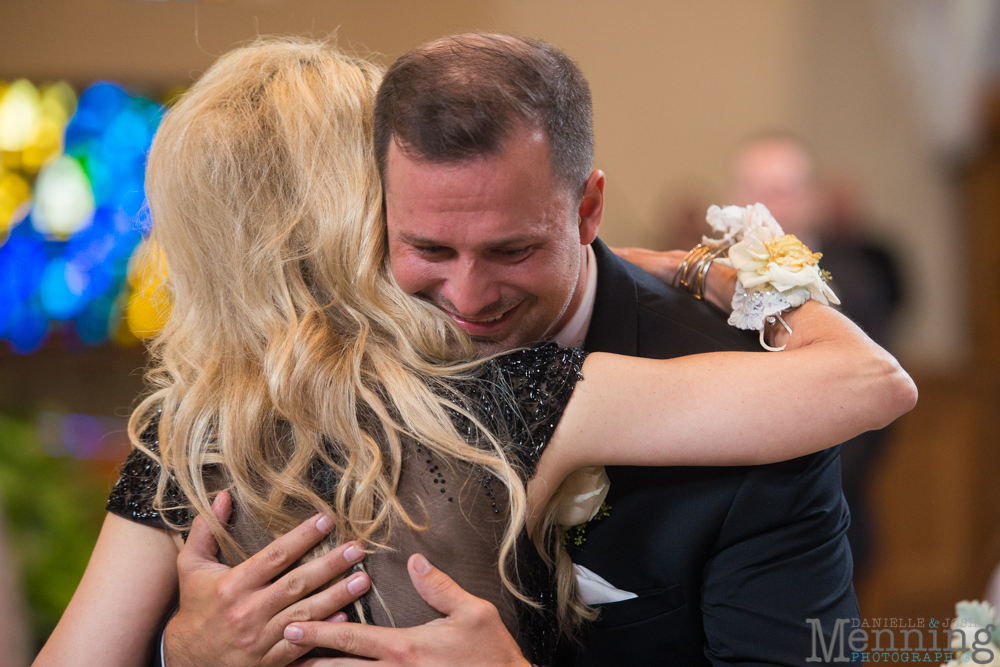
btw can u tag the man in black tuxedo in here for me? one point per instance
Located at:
(485, 146)
(727, 562)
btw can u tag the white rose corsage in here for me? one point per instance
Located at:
(775, 271)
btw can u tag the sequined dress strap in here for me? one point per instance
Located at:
(134, 494)
(539, 382)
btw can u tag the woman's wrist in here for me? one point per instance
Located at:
(698, 275)
(720, 287)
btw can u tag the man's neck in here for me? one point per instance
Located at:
(574, 331)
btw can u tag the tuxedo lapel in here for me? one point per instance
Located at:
(614, 326)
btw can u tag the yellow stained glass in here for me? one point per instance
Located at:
(20, 111)
(15, 195)
(59, 101)
(149, 305)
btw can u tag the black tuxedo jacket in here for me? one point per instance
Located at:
(728, 563)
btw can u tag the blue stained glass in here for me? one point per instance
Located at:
(63, 288)
(97, 107)
(102, 174)
(27, 327)
(95, 243)
(127, 195)
(94, 322)
(127, 137)
(22, 261)
(79, 274)
(151, 111)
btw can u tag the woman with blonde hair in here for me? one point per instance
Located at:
(296, 376)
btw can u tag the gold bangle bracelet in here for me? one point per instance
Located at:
(692, 273)
(682, 269)
(691, 265)
(702, 277)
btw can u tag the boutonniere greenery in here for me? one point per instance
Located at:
(577, 535)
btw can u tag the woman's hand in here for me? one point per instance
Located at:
(721, 280)
(662, 265)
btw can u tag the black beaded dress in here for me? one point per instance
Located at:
(520, 398)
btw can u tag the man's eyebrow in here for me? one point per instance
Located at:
(413, 239)
(512, 241)
(516, 241)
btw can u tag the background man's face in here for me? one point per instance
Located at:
(494, 242)
(778, 174)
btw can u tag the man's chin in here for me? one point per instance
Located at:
(486, 347)
(513, 340)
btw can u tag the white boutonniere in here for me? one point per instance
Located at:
(580, 499)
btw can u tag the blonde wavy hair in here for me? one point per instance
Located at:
(289, 347)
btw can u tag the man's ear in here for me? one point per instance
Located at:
(591, 207)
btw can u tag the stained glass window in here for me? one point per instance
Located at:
(73, 215)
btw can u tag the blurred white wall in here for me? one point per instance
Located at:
(676, 85)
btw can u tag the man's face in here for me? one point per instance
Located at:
(496, 242)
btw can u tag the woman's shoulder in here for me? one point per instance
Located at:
(535, 385)
(134, 494)
(548, 362)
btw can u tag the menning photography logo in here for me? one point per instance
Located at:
(967, 638)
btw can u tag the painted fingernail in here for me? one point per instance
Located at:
(339, 617)
(324, 524)
(293, 633)
(358, 584)
(353, 553)
(421, 564)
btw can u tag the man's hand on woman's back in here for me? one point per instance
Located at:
(471, 634)
(237, 616)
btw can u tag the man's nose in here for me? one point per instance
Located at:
(471, 288)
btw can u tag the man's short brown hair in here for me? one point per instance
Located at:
(460, 97)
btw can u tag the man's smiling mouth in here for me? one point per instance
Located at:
(491, 319)
(486, 325)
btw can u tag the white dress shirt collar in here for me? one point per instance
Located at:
(575, 331)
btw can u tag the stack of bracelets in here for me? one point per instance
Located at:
(691, 274)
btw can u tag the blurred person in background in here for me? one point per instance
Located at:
(779, 171)
(682, 218)
(13, 624)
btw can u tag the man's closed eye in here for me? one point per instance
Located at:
(432, 252)
(514, 253)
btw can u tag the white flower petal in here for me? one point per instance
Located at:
(751, 278)
(784, 279)
(581, 494)
(748, 251)
(761, 219)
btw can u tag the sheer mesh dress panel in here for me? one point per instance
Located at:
(520, 398)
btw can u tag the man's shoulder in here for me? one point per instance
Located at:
(667, 321)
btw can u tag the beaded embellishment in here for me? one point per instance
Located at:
(519, 397)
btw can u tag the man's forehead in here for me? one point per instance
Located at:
(524, 149)
(473, 175)
(446, 235)
(496, 200)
